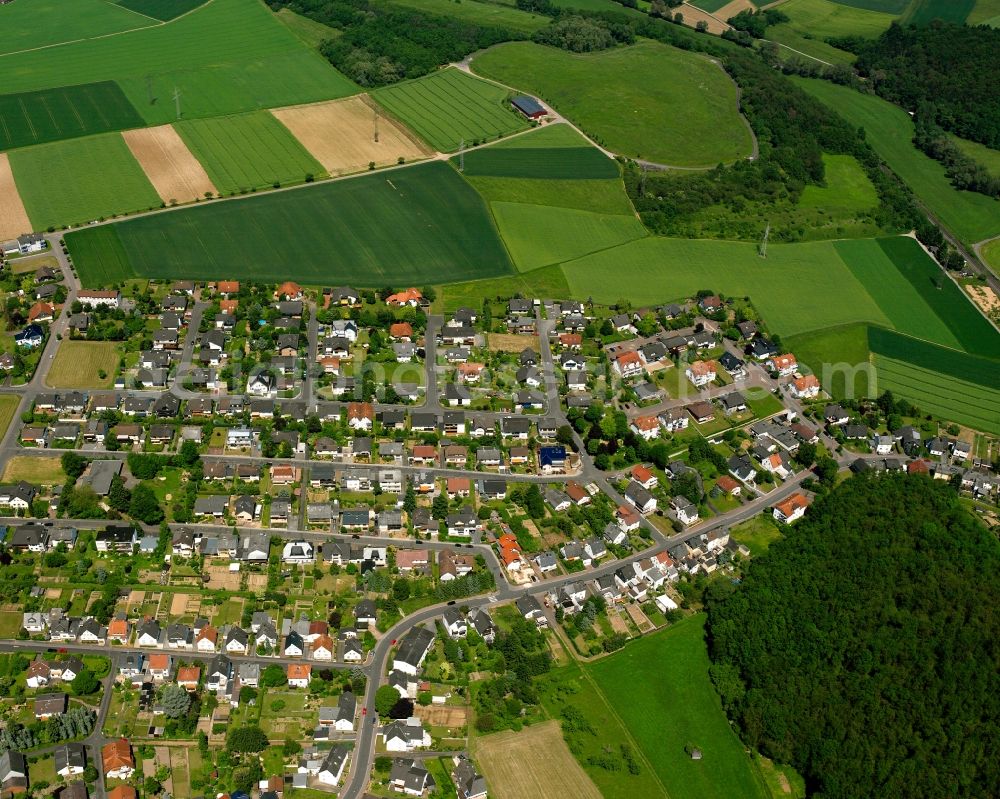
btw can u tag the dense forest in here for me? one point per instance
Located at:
(945, 73)
(863, 648)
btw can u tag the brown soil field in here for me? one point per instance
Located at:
(340, 134)
(692, 16)
(14, 220)
(733, 8)
(986, 299)
(169, 165)
(448, 716)
(534, 763)
(509, 342)
(178, 604)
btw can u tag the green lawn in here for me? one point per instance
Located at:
(479, 13)
(78, 364)
(798, 287)
(42, 23)
(757, 533)
(79, 180)
(991, 253)
(847, 187)
(8, 407)
(659, 686)
(225, 57)
(635, 118)
(247, 151)
(599, 196)
(972, 217)
(448, 107)
(41, 471)
(538, 235)
(410, 226)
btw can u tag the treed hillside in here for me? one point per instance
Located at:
(863, 648)
(944, 72)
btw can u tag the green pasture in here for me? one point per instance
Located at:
(163, 10)
(986, 12)
(411, 226)
(797, 288)
(548, 282)
(839, 357)
(889, 129)
(991, 253)
(224, 57)
(539, 235)
(451, 106)
(309, 32)
(554, 152)
(554, 134)
(635, 118)
(847, 188)
(659, 686)
(979, 153)
(30, 24)
(247, 151)
(80, 180)
(64, 112)
(967, 403)
(479, 13)
(906, 308)
(882, 6)
(599, 196)
(812, 22)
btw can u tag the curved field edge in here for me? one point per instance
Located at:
(319, 234)
(636, 119)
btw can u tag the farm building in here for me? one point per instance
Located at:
(529, 106)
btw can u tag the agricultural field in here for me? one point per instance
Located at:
(979, 153)
(331, 232)
(13, 218)
(889, 129)
(667, 715)
(448, 107)
(923, 12)
(633, 118)
(163, 10)
(79, 364)
(538, 235)
(174, 172)
(340, 134)
(711, 6)
(884, 6)
(847, 190)
(247, 151)
(79, 180)
(811, 22)
(568, 157)
(991, 252)
(310, 33)
(28, 24)
(533, 763)
(479, 13)
(259, 63)
(64, 112)
(599, 196)
(797, 288)
(970, 404)
(546, 282)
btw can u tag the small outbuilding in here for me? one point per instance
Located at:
(529, 106)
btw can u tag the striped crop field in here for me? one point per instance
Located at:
(451, 106)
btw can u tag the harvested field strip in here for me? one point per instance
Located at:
(539, 235)
(951, 363)
(335, 232)
(340, 134)
(975, 334)
(559, 163)
(533, 763)
(14, 220)
(63, 113)
(968, 404)
(79, 180)
(693, 15)
(247, 151)
(174, 172)
(450, 106)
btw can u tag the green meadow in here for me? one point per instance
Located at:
(634, 118)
